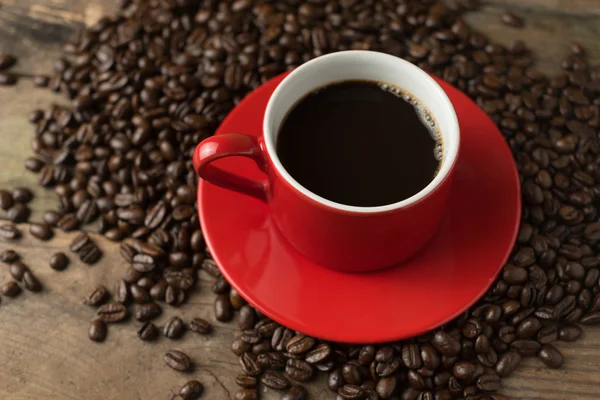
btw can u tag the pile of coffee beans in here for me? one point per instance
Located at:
(148, 85)
(19, 271)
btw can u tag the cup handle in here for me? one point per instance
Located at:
(228, 145)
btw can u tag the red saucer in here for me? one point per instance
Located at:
(441, 281)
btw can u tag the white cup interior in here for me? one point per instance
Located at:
(363, 65)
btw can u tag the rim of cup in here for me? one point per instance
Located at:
(450, 130)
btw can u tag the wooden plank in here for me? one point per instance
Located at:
(45, 350)
(547, 34)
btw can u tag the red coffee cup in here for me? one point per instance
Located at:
(338, 236)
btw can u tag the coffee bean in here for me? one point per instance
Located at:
(200, 326)
(17, 270)
(67, 223)
(41, 231)
(121, 292)
(296, 392)
(147, 331)
(223, 308)
(21, 195)
(174, 328)
(139, 294)
(236, 300)
(551, 356)
(569, 333)
(508, 363)
(249, 364)
(9, 256)
(30, 282)
(300, 344)
(6, 200)
(412, 356)
(112, 312)
(59, 261)
(7, 79)
(319, 354)
(298, 370)
(9, 232)
(351, 392)
(178, 360)
(191, 390)
(274, 380)
(158, 291)
(97, 331)
(10, 289)
(79, 241)
(7, 61)
(445, 344)
(147, 312)
(143, 263)
(488, 383)
(96, 296)
(246, 381)
(51, 218)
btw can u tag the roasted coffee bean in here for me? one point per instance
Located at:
(7, 61)
(319, 354)
(569, 333)
(51, 218)
(335, 379)
(296, 392)
(6, 200)
(178, 360)
(298, 370)
(488, 383)
(148, 331)
(9, 256)
(59, 261)
(236, 300)
(139, 294)
(41, 231)
(97, 331)
(9, 232)
(547, 334)
(274, 380)
(10, 289)
(446, 344)
(79, 241)
(121, 292)
(158, 291)
(112, 312)
(200, 326)
(67, 223)
(147, 312)
(551, 356)
(239, 347)
(30, 282)
(246, 317)
(249, 364)
(386, 387)
(143, 263)
(21, 195)
(191, 390)
(351, 392)
(174, 328)
(411, 356)
(246, 381)
(17, 270)
(300, 344)
(7, 79)
(96, 296)
(223, 308)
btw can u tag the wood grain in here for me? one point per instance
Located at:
(44, 347)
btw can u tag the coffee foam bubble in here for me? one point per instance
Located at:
(424, 116)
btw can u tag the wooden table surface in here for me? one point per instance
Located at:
(44, 349)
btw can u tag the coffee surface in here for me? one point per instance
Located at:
(359, 143)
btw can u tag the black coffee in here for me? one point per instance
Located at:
(360, 143)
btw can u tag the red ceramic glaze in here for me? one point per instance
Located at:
(450, 273)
